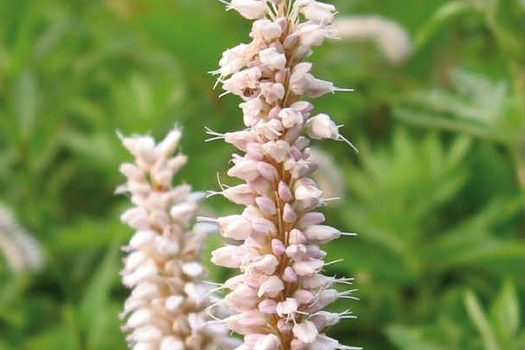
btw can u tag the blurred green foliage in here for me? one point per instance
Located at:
(436, 193)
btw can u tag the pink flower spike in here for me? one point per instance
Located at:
(278, 255)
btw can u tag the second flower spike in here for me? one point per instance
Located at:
(167, 306)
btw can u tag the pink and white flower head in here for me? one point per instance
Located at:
(167, 306)
(279, 296)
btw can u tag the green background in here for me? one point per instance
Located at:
(436, 192)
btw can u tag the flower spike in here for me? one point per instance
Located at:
(279, 296)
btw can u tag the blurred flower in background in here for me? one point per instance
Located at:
(21, 251)
(390, 37)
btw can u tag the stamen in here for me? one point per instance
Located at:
(347, 141)
(217, 135)
(333, 262)
(348, 234)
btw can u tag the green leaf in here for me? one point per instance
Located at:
(408, 338)
(25, 100)
(504, 313)
(200, 51)
(95, 307)
(480, 320)
(479, 107)
(470, 242)
(66, 335)
(446, 12)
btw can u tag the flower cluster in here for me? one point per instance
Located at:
(279, 297)
(167, 307)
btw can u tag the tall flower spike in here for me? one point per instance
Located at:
(167, 306)
(279, 297)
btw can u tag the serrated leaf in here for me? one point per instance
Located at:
(470, 243)
(479, 106)
(429, 120)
